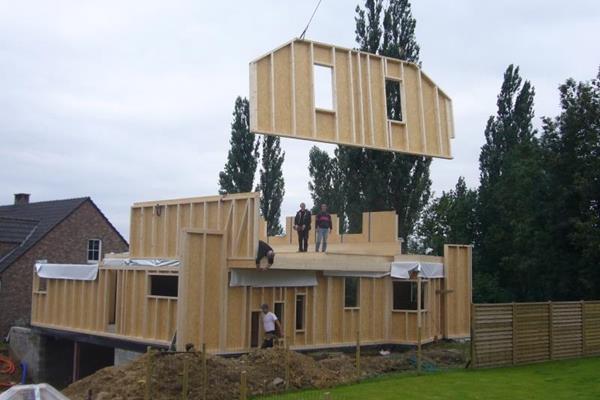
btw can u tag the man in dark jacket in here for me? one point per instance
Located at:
(264, 250)
(302, 226)
(324, 226)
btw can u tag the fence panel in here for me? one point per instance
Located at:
(520, 333)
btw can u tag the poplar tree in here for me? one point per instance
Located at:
(272, 185)
(242, 158)
(379, 180)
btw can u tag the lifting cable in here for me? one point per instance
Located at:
(310, 20)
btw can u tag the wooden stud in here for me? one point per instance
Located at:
(370, 97)
(334, 95)
(361, 101)
(293, 78)
(422, 112)
(312, 91)
(438, 120)
(351, 93)
(272, 60)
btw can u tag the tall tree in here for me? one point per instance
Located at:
(449, 218)
(325, 182)
(271, 186)
(377, 180)
(511, 183)
(242, 159)
(571, 145)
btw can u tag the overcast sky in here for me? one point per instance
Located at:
(129, 101)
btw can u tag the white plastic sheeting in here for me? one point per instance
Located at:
(75, 272)
(42, 391)
(402, 269)
(272, 278)
(356, 274)
(140, 262)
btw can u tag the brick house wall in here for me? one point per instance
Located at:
(66, 243)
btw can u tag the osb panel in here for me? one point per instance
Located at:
(457, 270)
(282, 100)
(156, 225)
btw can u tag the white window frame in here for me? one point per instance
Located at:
(99, 251)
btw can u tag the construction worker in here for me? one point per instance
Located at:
(264, 250)
(270, 321)
(302, 226)
(324, 227)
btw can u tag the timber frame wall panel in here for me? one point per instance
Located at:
(282, 100)
(457, 290)
(155, 226)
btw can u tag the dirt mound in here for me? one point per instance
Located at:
(265, 371)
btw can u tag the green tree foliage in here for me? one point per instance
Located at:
(271, 186)
(449, 218)
(509, 210)
(571, 145)
(325, 182)
(242, 159)
(378, 180)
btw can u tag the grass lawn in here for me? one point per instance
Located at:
(570, 379)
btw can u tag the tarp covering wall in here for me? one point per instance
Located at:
(402, 269)
(140, 262)
(272, 278)
(356, 274)
(76, 272)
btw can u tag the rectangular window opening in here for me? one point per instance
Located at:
(42, 285)
(300, 311)
(94, 249)
(323, 87)
(279, 310)
(393, 95)
(405, 295)
(164, 285)
(351, 292)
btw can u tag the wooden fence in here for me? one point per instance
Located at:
(520, 333)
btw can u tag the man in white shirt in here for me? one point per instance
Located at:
(270, 320)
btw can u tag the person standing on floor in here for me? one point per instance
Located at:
(270, 320)
(324, 227)
(302, 226)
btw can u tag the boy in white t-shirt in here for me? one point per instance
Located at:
(270, 320)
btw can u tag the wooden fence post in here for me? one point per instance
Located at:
(514, 333)
(287, 363)
(358, 355)
(583, 338)
(185, 379)
(147, 388)
(204, 372)
(551, 330)
(243, 386)
(419, 322)
(473, 353)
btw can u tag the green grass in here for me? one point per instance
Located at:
(570, 379)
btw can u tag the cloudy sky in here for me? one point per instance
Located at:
(127, 101)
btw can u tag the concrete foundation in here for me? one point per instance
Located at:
(58, 361)
(123, 357)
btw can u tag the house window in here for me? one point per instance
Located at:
(94, 248)
(164, 285)
(323, 86)
(351, 292)
(405, 295)
(300, 311)
(393, 95)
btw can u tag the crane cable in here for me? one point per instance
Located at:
(310, 20)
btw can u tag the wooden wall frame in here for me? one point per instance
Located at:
(282, 100)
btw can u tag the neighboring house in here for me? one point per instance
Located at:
(72, 231)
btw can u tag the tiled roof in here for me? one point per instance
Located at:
(16, 230)
(18, 218)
